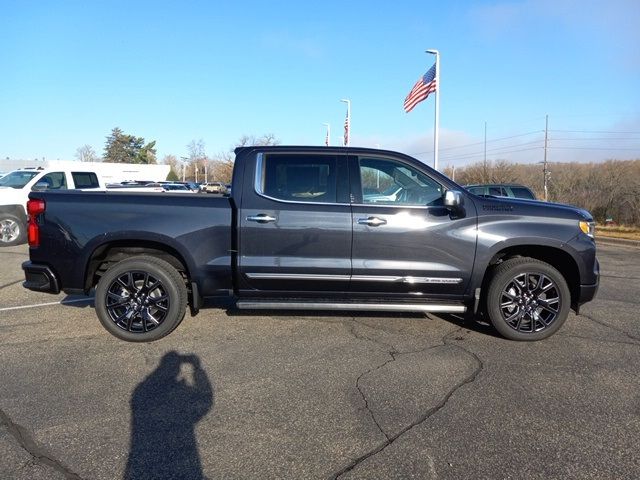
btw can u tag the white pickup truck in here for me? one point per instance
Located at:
(14, 193)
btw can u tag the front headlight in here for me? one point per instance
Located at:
(588, 228)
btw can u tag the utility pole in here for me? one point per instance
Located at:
(484, 165)
(184, 167)
(545, 168)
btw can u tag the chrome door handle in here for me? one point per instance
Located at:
(372, 221)
(261, 218)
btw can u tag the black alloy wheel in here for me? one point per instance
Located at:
(141, 299)
(137, 301)
(530, 302)
(527, 299)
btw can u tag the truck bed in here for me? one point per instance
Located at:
(78, 225)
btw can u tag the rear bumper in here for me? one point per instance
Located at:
(40, 278)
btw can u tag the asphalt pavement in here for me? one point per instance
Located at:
(291, 395)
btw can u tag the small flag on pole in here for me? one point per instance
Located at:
(346, 129)
(326, 138)
(421, 90)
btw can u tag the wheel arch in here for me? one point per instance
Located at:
(556, 257)
(110, 253)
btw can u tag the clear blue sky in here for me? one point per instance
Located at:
(176, 71)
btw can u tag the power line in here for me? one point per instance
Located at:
(480, 154)
(595, 138)
(479, 143)
(498, 149)
(594, 148)
(595, 131)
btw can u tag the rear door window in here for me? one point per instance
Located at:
(85, 180)
(298, 178)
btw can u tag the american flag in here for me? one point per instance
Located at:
(346, 129)
(421, 90)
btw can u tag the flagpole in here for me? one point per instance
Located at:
(436, 127)
(328, 137)
(347, 130)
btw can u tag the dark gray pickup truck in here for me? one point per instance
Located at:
(315, 228)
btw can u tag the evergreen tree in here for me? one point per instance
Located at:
(123, 148)
(173, 176)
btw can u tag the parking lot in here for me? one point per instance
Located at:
(290, 395)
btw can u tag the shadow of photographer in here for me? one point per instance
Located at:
(165, 408)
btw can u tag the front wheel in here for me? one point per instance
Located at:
(527, 299)
(141, 299)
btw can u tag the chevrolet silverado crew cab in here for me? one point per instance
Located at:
(314, 228)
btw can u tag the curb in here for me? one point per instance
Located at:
(618, 241)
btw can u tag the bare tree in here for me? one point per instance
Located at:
(86, 153)
(222, 162)
(608, 189)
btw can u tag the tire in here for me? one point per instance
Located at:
(141, 299)
(527, 299)
(13, 231)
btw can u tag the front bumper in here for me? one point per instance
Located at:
(40, 278)
(587, 293)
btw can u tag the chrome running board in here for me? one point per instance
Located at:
(371, 307)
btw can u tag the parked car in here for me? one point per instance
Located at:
(298, 233)
(177, 188)
(214, 187)
(134, 187)
(193, 186)
(502, 190)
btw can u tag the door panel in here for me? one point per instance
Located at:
(405, 242)
(294, 234)
(416, 251)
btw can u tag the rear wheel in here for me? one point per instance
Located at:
(141, 299)
(527, 299)
(12, 230)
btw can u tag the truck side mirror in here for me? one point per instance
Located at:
(453, 199)
(40, 187)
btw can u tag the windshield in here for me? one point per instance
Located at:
(17, 179)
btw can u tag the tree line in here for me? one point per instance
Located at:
(199, 166)
(609, 190)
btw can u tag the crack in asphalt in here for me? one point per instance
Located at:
(11, 283)
(29, 444)
(618, 276)
(598, 340)
(445, 341)
(604, 324)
